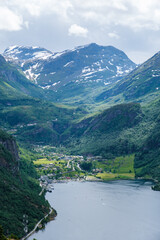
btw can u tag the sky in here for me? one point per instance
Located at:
(129, 25)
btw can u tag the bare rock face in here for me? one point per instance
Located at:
(9, 157)
(11, 146)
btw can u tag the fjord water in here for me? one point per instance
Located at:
(123, 210)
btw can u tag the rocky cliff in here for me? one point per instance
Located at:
(21, 207)
(9, 157)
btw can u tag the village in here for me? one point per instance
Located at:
(55, 167)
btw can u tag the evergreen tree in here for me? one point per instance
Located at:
(2, 237)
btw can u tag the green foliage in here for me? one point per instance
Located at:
(108, 134)
(2, 237)
(114, 176)
(13, 236)
(4, 135)
(122, 164)
(147, 160)
(87, 166)
(20, 193)
(36, 121)
(142, 84)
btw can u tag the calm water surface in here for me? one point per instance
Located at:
(120, 210)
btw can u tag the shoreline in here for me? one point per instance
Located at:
(52, 210)
(88, 179)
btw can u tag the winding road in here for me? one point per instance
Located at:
(29, 234)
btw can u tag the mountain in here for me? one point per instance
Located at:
(107, 133)
(142, 84)
(147, 159)
(23, 54)
(82, 75)
(24, 111)
(73, 75)
(14, 84)
(20, 204)
(121, 130)
(36, 121)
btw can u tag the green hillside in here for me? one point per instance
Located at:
(31, 119)
(108, 133)
(14, 84)
(142, 84)
(20, 200)
(36, 121)
(121, 130)
(123, 135)
(147, 160)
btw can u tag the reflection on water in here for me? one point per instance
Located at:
(123, 210)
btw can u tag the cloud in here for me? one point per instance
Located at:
(135, 14)
(37, 8)
(125, 23)
(113, 35)
(9, 20)
(33, 9)
(77, 31)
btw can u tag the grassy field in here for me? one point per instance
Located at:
(105, 169)
(46, 161)
(113, 176)
(118, 168)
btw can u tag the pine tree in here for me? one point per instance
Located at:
(2, 237)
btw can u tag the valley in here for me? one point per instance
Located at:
(74, 77)
(86, 114)
(53, 167)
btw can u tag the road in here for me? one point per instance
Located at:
(29, 234)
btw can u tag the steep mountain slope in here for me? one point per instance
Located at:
(28, 117)
(147, 160)
(20, 204)
(118, 131)
(22, 54)
(142, 84)
(110, 133)
(72, 74)
(36, 121)
(14, 84)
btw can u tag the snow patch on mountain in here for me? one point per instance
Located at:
(32, 76)
(56, 55)
(49, 86)
(23, 53)
(110, 63)
(119, 70)
(69, 63)
(41, 55)
(84, 64)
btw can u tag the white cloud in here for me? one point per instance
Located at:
(26, 24)
(9, 20)
(77, 31)
(125, 23)
(120, 5)
(36, 8)
(33, 8)
(135, 14)
(113, 35)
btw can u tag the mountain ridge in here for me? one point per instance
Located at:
(20, 199)
(82, 69)
(138, 84)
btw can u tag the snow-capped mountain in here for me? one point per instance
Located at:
(22, 54)
(141, 82)
(85, 66)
